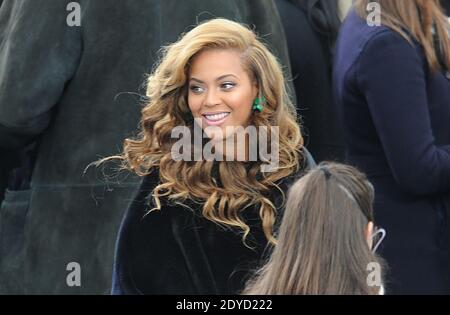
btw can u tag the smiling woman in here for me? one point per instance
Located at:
(222, 98)
(212, 219)
(225, 94)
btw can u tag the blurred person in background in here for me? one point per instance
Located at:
(311, 28)
(393, 96)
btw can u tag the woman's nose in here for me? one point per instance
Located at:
(212, 98)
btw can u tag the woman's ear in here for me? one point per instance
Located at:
(255, 87)
(255, 91)
(368, 234)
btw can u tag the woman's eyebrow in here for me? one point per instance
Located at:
(225, 76)
(218, 79)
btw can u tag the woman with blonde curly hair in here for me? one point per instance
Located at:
(199, 225)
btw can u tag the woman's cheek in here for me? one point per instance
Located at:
(194, 106)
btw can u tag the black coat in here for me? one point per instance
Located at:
(395, 116)
(310, 54)
(446, 5)
(72, 90)
(177, 251)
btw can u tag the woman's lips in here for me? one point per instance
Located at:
(215, 119)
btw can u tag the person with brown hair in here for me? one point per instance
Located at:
(393, 94)
(325, 239)
(198, 225)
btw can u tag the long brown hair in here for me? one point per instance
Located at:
(167, 91)
(322, 247)
(416, 19)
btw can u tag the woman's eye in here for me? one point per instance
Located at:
(228, 85)
(196, 89)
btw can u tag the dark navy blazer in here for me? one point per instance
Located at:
(395, 115)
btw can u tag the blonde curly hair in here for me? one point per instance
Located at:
(167, 108)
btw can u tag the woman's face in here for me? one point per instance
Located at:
(221, 93)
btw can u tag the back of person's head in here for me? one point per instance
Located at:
(324, 238)
(420, 20)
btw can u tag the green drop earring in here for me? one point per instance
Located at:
(258, 104)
